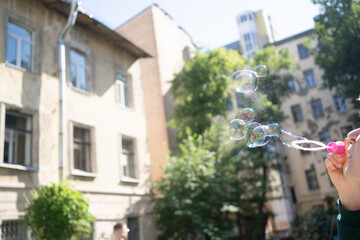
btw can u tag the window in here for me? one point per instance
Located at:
(239, 100)
(312, 178)
(19, 46)
(309, 78)
(290, 84)
(18, 134)
(122, 87)
(229, 104)
(317, 108)
(82, 149)
(13, 230)
(303, 51)
(128, 158)
(293, 195)
(297, 113)
(345, 130)
(78, 70)
(324, 137)
(250, 17)
(133, 225)
(339, 102)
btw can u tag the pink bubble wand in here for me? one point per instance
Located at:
(331, 147)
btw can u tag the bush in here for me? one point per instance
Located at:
(58, 212)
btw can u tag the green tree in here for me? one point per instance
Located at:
(214, 183)
(338, 51)
(200, 90)
(313, 224)
(58, 212)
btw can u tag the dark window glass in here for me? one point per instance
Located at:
(309, 78)
(339, 102)
(297, 113)
(311, 178)
(133, 225)
(317, 108)
(303, 51)
(82, 160)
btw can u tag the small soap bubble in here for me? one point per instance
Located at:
(245, 81)
(261, 70)
(287, 138)
(258, 136)
(237, 129)
(247, 115)
(273, 130)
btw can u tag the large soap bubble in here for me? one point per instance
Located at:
(245, 81)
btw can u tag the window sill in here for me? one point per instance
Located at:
(125, 107)
(79, 173)
(18, 167)
(81, 91)
(19, 68)
(129, 180)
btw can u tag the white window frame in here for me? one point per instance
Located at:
(92, 161)
(19, 41)
(79, 67)
(120, 88)
(122, 158)
(29, 162)
(309, 82)
(339, 102)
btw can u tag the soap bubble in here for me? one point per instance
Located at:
(247, 115)
(273, 130)
(236, 129)
(261, 70)
(287, 138)
(245, 81)
(257, 137)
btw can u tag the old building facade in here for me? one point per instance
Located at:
(106, 154)
(313, 112)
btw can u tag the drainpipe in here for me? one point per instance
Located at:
(62, 80)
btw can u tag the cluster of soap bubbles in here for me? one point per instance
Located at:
(255, 134)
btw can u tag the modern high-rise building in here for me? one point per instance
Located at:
(255, 31)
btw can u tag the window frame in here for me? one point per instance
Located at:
(123, 177)
(312, 83)
(120, 86)
(85, 68)
(290, 84)
(33, 150)
(324, 135)
(19, 223)
(310, 174)
(92, 161)
(297, 106)
(132, 229)
(339, 100)
(317, 105)
(303, 51)
(35, 41)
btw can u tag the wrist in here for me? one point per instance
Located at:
(350, 200)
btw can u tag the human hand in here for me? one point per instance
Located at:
(348, 190)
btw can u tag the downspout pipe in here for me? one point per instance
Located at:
(62, 81)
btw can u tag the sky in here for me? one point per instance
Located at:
(210, 23)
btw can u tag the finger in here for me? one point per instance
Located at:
(330, 166)
(336, 159)
(347, 145)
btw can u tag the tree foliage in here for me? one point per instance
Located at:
(313, 224)
(338, 51)
(201, 89)
(58, 212)
(215, 184)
